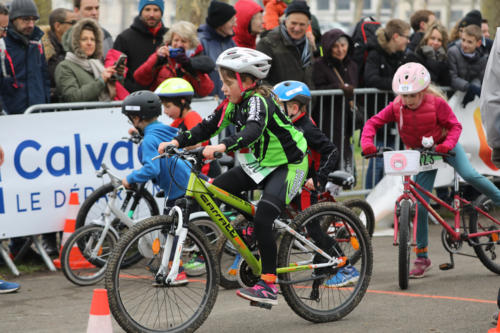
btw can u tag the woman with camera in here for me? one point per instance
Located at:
(180, 56)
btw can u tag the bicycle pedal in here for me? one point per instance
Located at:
(261, 305)
(446, 266)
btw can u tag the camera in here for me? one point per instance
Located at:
(174, 52)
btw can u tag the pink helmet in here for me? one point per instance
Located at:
(411, 78)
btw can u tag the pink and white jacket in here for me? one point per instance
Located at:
(433, 117)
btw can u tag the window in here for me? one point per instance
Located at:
(455, 15)
(343, 4)
(367, 4)
(386, 4)
(323, 4)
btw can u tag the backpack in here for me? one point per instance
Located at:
(364, 39)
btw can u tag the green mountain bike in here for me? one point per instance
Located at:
(145, 298)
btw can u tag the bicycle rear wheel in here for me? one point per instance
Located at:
(487, 249)
(315, 300)
(139, 302)
(77, 262)
(404, 244)
(364, 211)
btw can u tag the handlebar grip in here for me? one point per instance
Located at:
(217, 154)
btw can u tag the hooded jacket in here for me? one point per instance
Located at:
(26, 81)
(213, 45)
(464, 70)
(75, 84)
(245, 11)
(153, 72)
(325, 78)
(138, 43)
(54, 54)
(433, 117)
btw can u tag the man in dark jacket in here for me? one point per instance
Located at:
(216, 36)
(142, 39)
(24, 78)
(289, 47)
(419, 21)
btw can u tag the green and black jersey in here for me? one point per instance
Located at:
(260, 125)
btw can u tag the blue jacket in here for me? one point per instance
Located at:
(29, 84)
(159, 170)
(213, 45)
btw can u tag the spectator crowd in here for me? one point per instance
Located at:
(75, 59)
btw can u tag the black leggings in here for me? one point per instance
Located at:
(273, 201)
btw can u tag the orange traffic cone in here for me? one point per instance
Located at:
(496, 329)
(99, 318)
(76, 258)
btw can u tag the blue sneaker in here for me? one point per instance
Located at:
(262, 292)
(8, 287)
(345, 276)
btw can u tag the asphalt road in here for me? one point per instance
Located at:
(458, 300)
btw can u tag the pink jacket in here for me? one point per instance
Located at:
(433, 117)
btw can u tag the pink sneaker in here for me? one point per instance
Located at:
(420, 266)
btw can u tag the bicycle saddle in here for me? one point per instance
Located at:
(341, 178)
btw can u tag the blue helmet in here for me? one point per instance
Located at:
(292, 91)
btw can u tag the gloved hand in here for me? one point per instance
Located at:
(443, 148)
(369, 149)
(472, 91)
(441, 54)
(348, 91)
(182, 59)
(428, 52)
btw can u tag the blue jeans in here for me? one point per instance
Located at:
(461, 164)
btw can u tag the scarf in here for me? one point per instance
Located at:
(302, 46)
(92, 66)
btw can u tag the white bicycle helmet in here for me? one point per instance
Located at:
(245, 60)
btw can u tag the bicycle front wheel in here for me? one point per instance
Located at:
(487, 246)
(142, 303)
(404, 244)
(327, 298)
(78, 263)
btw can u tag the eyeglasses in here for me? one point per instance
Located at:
(68, 22)
(4, 29)
(27, 19)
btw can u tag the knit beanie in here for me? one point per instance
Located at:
(298, 6)
(219, 13)
(472, 17)
(144, 3)
(23, 8)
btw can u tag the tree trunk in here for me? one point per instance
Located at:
(378, 9)
(358, 10)
(194, 11)
(491, 11)
(44, 9)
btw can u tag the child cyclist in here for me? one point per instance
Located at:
(419, 111)
(176, 95)
(142, 109)
(277, 146)
(322, 154)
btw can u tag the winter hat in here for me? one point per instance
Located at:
(23, 8)
(298, 6)
(219, 13)
(144, 3)
(472, 17)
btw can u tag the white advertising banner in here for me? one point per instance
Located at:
(49, 155)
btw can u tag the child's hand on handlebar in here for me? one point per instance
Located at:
(369, 149)
(163, 145)
(442, 148)
(310, 184)
(209, 151)
(125, 183)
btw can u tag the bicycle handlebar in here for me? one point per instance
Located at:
(116, 181)
(423, 151)
(194, 155)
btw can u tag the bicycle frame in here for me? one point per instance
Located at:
(410, 193)
(202, 191)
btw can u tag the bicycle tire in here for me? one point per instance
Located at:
(325, 308)
(76, 262)
(404, 244)
(360, 206)
(477, 223)
(135, 297)
(93, 206)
